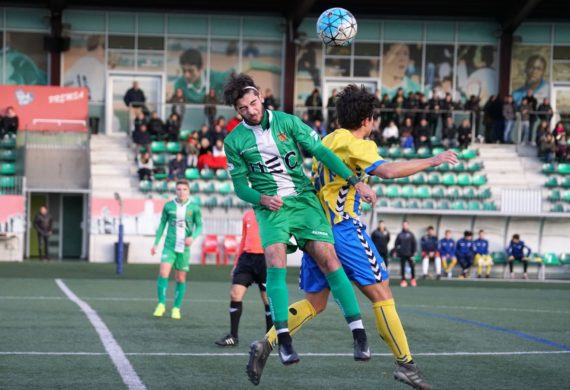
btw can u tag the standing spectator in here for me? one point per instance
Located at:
(210, 107)
(545, 111)
(405, 248)
(541, 132)
(172, 128)
(269, 101)
(525, 110)
(434, 109)
(381, 238)
(177, 167)
(390, 135)
(464, 252)
(447, 107)
(449, 134)
(218, 134)
(156, 126)
(488, 120)
(446, 249)
(385, 107)
(178, 101)
(508, 119)
(141, 139)
(134, 98)
(429, 246)
(233, 122)
(422, 134)
(482, 256)
(474, 105)
(43, 223)
(10, 122)
(464, 134)
(531, 100)
(331, 107)
(145, 166)
(516, 252)
(314, 104)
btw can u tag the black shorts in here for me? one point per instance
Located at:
(251, 269)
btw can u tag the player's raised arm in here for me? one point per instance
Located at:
(407, 168)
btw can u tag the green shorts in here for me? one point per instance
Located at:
(180, 261)
(300, 216)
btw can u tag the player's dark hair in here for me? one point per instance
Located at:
(430, 228)
(353, 105)
(191, 57)
(447, 231)
(467, 233)
(183, 183)
(516, 237)
(237, 86)
(481, 231)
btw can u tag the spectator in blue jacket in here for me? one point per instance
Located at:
(465, 253)
(482, 257)
(516, 251)
(430, 253)
(446, 249)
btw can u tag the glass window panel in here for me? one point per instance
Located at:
(151, 23)
(84, 64)
(479, 32)
(188, 25)
(338, 50)
(121, 42)
(403, 31)
(367, 49)
(121, 59)
(561, 72)
(32, 19)
(534, 33)
(477, 71)
(228, 27)
(150, 43)
(308, 75)
(561, 52)
(366, 67)
(122, 22)
(85, 20)
(337, 67)
(224, 59)
(26, 59)
(150, 60)
(265, 66)
(264, 27)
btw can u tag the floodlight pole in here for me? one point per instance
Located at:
(120, 249)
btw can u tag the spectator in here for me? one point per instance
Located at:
(430, 253)
(173, 128)
(446, 249)
(192, 150)
(221, 121)
(210, 107)
(541, 132)
(390, 134)
(449, 134)
(156, 126)
(545, 111)
(405, 248)
(489, 120)
(516, 252)
(177, 167)
(447, 107)
(474, 105)
(381, 238)
(548, 148)
(464, 134)
(525, 110)
(205, 153)
(233, 122)
(331, 107)
(314, 104)
(218, 134)
(482, 257)
(406, 134)
(43, 223)
(319, 128)
(204, 133)
(508, 119)
(218, 149)
(531, 100)
(434, 108)
(269, 101)
(145, 166)
(134, 98)
(464, 252)
(141, 139)
(559, 129)
(305, 119)
(422, 134)
(10, 122)
(562, 148)
(178, 101)
(140, 119)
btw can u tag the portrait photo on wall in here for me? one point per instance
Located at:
(309, 60)
(25, 58)
(401, 68)
(530, 70)
(84, 65)
(477, 71)
(186, 68)
(438, 76)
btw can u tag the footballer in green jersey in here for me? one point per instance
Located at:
(265, 162)
(183, 222)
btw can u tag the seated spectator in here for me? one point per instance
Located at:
(192, 150)
(390, 134)
(178, 101)
(141, 139)
(559, 129)
(465, 253)
(204, 133)
(145, 166)
(221, 121)
(319, 128)
(541, 131)
(140, 119)
(547, 148)
(482, 256)
(429, 246)
(562, 148)
(422, 134)
(156, 127)
(173, 128)
(306, 120)
(218, 134)
(516, 252)
(406, 134)
(218, 149)
(10, 122)
(232, 123)
(177, 167)
(449, 134)
(464, 134)
(446, 248)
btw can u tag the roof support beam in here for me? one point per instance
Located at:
(511, 23)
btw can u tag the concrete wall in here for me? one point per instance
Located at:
(12, 247)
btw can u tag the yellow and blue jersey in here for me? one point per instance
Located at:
(338, 198)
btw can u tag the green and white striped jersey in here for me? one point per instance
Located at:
(183, 220)
(270, 158)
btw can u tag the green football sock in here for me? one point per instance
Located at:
(179, 294)
(161, 287)
(278, 296)
(343, 294)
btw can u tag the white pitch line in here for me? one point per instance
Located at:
(123, 365)
(309, 354)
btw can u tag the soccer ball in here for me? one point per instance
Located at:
(336, 27)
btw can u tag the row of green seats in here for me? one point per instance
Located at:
(435, 178)
(8, 155)
(170, 186)
(556, 196)
(559, 208)
(7, 182)
(549, 258)
(473, 205)
(553, 182)
(562, 168)
(7, 169)
(423, 152)
(206, 174)
(8, 143)
(165, 147)
(426, 192)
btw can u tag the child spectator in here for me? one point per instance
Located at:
(465, 253)
(192, 150)
(145, 166)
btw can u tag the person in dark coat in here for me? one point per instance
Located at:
(405, 249)
(381, 238)
(43, 223)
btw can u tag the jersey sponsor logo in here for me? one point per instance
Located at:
(291, 160)
(282, 137)
(319, 233)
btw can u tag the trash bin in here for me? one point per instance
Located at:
(94, 124)
(125, 252)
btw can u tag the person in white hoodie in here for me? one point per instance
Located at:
(391, 134)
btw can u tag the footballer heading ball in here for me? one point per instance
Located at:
(336, 27)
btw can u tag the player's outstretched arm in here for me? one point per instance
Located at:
(408, 168)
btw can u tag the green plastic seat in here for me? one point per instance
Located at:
(459, 167)
(551, 258)
(548, 168)
(563, 169)
(469, 193)
(408, 192)
(379, 191)
(564, 259)
(222, 174)
(434, 178)
(161, 175)
(423, 152)
(499, 258)
(428, 204)
(374, 180)
(449, 179)
(565, 196)
(438, 150)
(160, 186)
(474, 205)
(551, 182)
(195, 187)
(557, 208)
(474, 167)
(206, 174)
(382, 151)
(423, 192)
(398, 204)
(403, 180)
(468, 154)
(479, 180)
(395, 152)
(382, 203)
(158, 147)
(443, 205)
(409, 153)
(489, 206)
(192, 174)
(7, 169)
(196, 200)
(159, 159)
(445, 167)
(458, 205)
(419, 178)
(484, 193)
(145, 185)
(554, 196)
(452, 193)
(366, 206)
(8, 143)
(565, 183)
(211, 202)
(435, 141)
(8, 155)
(173, 147)
(438, 192)
(184, 135)
(393, 191)
(171, 186)
(412, 204)
(464, 179)
(227, 202)
(225, 188)
(208, 188)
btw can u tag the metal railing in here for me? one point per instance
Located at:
(12, 185)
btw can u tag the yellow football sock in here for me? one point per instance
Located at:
(391, 330)
(299, 313)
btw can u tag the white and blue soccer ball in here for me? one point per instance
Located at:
(336, 27)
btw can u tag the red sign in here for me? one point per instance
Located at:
(44, 108)
(11, 206)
